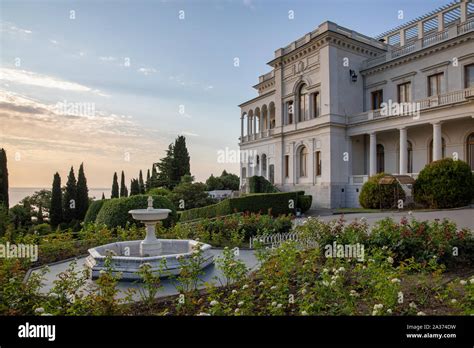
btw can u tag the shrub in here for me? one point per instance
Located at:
(159, 191)
(42, 229)
(114, 212)
(444, 184)
(258, 184)
(94, 208)
(376, 196)
(304, 202)
(276, 203)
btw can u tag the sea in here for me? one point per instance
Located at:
(16, 194)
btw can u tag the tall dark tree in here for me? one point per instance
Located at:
(56, 210)
(147, 183)
(123, 187)
(82, 203)
(40, 219)
(180, 162)
(165, 170)
(70, 198)
(141, 184)
(115, 187)
(3, 179)
(103, 196)
(134, 187)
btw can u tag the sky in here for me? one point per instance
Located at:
(112, 83)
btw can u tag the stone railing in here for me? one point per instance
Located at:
(423, 104)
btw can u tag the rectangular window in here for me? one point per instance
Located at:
(469, 76)
(287, 166)
(404, 92)
(290, 112)
(316, 104)
(435, 83)
(318, 163)
(377, 99)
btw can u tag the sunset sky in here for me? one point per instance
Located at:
(144, 75)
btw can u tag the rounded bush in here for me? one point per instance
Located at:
(376, 196)
(93, 210)
(114, 212)
(304, 202)
(159, 191)
(444, 184)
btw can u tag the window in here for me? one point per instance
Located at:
(380, 158)
(290, 112)
(316, 104)
(287, 166)
(435, 84)
(404, 92)
(318, 163)
(264, 165)
(303, 160)
(272, 173)
(244, 173)
(443, 149)
(470, 150)
(304, 104)
(377, 99)
(410, 157)
(469, 76)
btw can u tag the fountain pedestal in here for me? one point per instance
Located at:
(150, 246)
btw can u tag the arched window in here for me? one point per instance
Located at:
(380, 158)
(443, 150)
(303, 161)
(244, 173)
(410, 157)
(470, 150)
(272, 174)
(303, 104)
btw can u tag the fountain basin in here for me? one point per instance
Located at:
(126, 257)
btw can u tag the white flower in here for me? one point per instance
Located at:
(102, 271)
(378, 306)
(53, 295)
(374, 312)
(240, 304)
(39, 310)
(454, 300)
(471, 280)
(463, 282)
(334, 277)
(410, 213)
(274, 304)
(389, 311)
(273, 287)
(261, 284)
(245, 287)
(325, 283)
(332, 282)
(279, 305)
(234, 291)
(395, 280)
(341, 269)
(237, 310)
(202, 314)
(420, 313)
(412, 305)
(325, 270)
(304, 291)
(304, 313)
(354, 293)
(214, 302)
(390, 260)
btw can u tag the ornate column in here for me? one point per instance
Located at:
(403, 151)
(241, 128)
(373, 154)
(437, 142)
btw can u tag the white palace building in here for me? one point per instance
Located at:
(339, 106)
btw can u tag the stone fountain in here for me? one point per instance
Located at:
(164, 255)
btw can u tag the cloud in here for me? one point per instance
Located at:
(34, 79)
(189, 134)
(54, 42)
(8, 27)
(108, 59)
(147, 71)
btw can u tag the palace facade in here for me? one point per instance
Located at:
(339, 106)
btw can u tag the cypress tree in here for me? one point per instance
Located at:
(115, 187)
(134, 187)
(70, 198)
(165, 170)
(3, 179)
(82, 203)
(56, 211)
(39, 219)
(147, 184)
(141, 184)
(103, 196)
(180, 163)
(123, 187)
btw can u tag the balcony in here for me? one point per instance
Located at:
(449, 98)
(266, 133)
(428, 40)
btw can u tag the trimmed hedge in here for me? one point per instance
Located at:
(376, 196)
(159, 191)
(93, 210)
(304, 202)
(258, 184)
(277, 203)
(444, 184)
(114, 212)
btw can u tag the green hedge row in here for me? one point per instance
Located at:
(278, 203)
(258, 184)
(93, 210)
